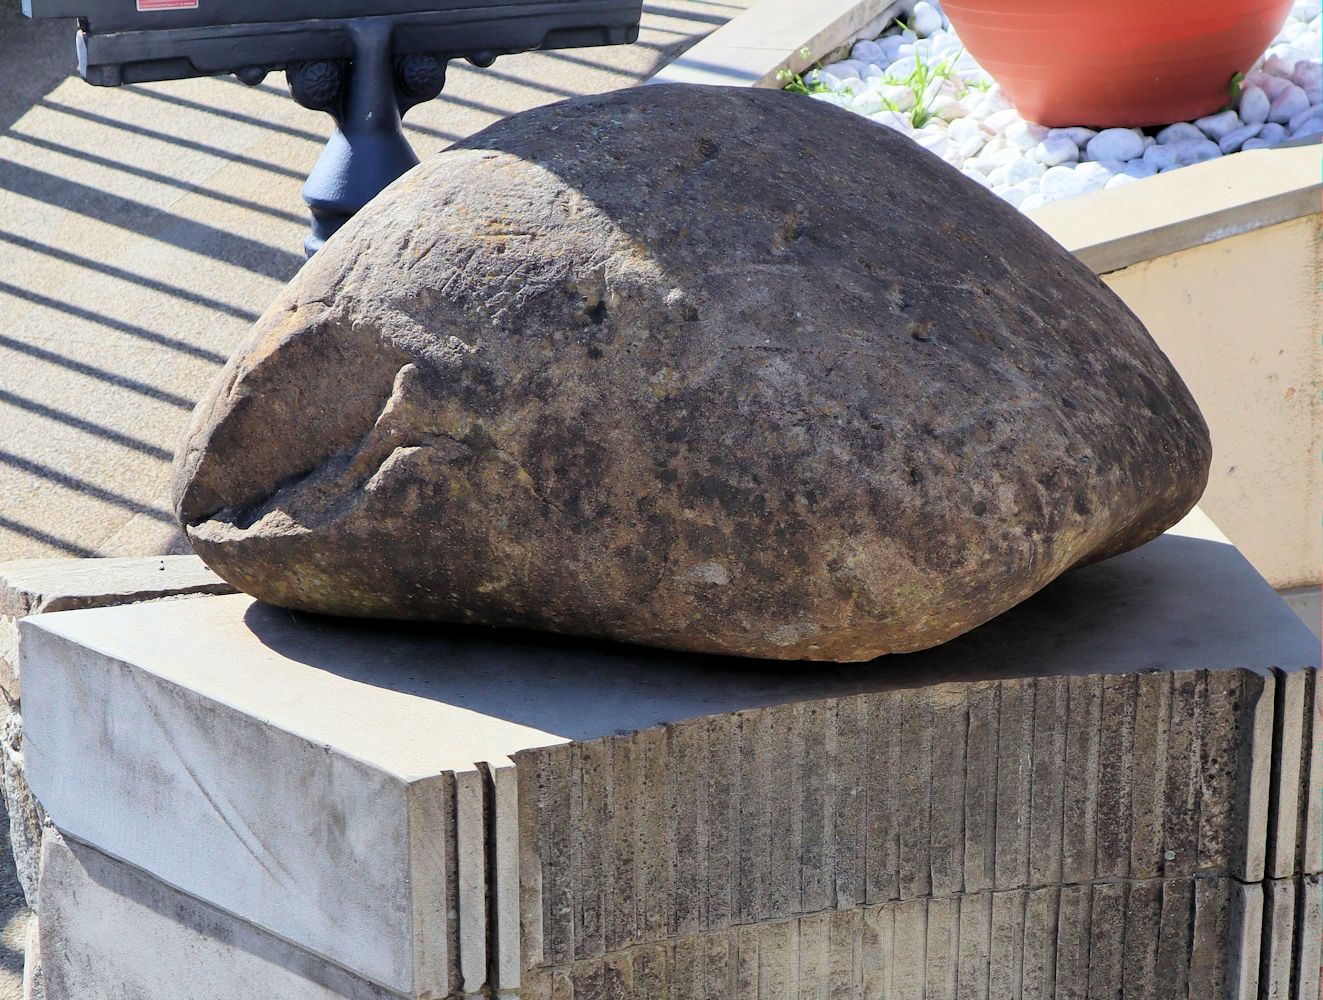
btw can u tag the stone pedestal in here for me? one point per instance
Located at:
(37, 586)
(1111, 791)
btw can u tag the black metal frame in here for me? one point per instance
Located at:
(364, 67)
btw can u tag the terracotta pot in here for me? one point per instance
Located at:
(1116, 62)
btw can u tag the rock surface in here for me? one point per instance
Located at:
(625, 367)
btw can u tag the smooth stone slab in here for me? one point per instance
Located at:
(33, 586)
(296, 751)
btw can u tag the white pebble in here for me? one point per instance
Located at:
(1289, 103)
(847, 68)
(1014, 195)
(1297, 120)
(899, 95)
(828, 97)
(987, 157)
(1272, 85)
(1309, 129)
(868, 51)
(997, 100)
(944, 43)
(890, 46)
(1254, 105)
(934, 143)
(1196, 152)
(903, 68)
(1120, 180)
(1162, 157)
(926, 19)
(894, 120)
(1180, 132)
(1116, 144)
(1032, 202)
(969, 148)
(963, 129)
(1280, 63)
(1025, 135)
(1308, 76)
(1139, 169)
(867, 103)
(975, 176)
(1053, 152)
(1017, 171)
(947, 108)
(979, 109)
(1236, 138)
(1024, 170)
(1000, 121)
(1062, 182)
(1254, 144)
(1077, 134)
(1097, 173)
(1303, 124)
(1273, 133)
(1003, 157)
(1218, 125)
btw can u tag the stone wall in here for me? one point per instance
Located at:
(1031, 836)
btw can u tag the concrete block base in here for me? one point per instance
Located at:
(1110, 791)
(37, 586)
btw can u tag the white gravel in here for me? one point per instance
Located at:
(919, 80)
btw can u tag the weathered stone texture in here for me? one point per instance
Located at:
(619, 367)
(1178, 746)
(999, 944)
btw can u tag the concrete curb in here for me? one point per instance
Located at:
(750, 50)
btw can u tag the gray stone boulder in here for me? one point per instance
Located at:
(634, 366)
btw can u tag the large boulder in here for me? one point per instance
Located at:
(716, 369)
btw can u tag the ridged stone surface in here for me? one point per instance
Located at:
(631, 367)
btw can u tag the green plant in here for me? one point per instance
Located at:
(920, 81)
(1236, 85)
(795, 83)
